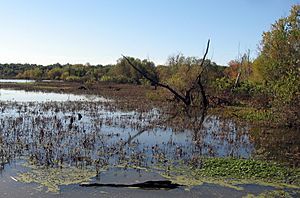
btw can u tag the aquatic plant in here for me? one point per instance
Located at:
(53, 178)
(230, 172)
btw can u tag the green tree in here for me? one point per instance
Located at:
(281, 46)
(55, 73)
(122, 72)
(184, 72)
(278, 64)
(36, 74)
(181, 72)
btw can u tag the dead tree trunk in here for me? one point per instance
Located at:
(237, 80)
(196, 86)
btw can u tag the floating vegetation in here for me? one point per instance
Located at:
(230, 172)
(248, 169)
(273, 193)
(52, 178)
(227, 172)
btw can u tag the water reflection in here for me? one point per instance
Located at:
(277, 144)
(26, 81)
(94, 133)
(16, 81)
(30, 96)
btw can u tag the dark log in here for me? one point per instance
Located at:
(164, 184)
(79, 116)
(82, 88)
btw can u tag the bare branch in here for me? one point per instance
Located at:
(187, 98)
(198, 79)
(155, 82)
(203, 59)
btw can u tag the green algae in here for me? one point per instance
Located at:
(52, 178)
(271, 193)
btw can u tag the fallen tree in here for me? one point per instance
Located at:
(194, 96)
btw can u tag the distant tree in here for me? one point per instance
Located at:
(181, 71)
(233, 69)
(122, 72)
(184, 71)
(239, 69)
(36, 74)
(55, 73)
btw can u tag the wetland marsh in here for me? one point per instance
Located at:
(53, 142)
(92, 103)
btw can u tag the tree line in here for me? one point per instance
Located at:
(121, 72)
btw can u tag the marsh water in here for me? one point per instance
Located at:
(25, 96)
(16, 81)
(90, 132)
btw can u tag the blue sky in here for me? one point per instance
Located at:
(99, 31)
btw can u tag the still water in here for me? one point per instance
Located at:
(16, 81)
(53, 129)
(30, 96)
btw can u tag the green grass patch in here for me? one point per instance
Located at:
(230, 171)
(247, 114)
(248, 169)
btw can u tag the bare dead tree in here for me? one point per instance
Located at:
(196, 89)
(188, 97)
(243, 63)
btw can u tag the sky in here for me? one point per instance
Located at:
(99, 31)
